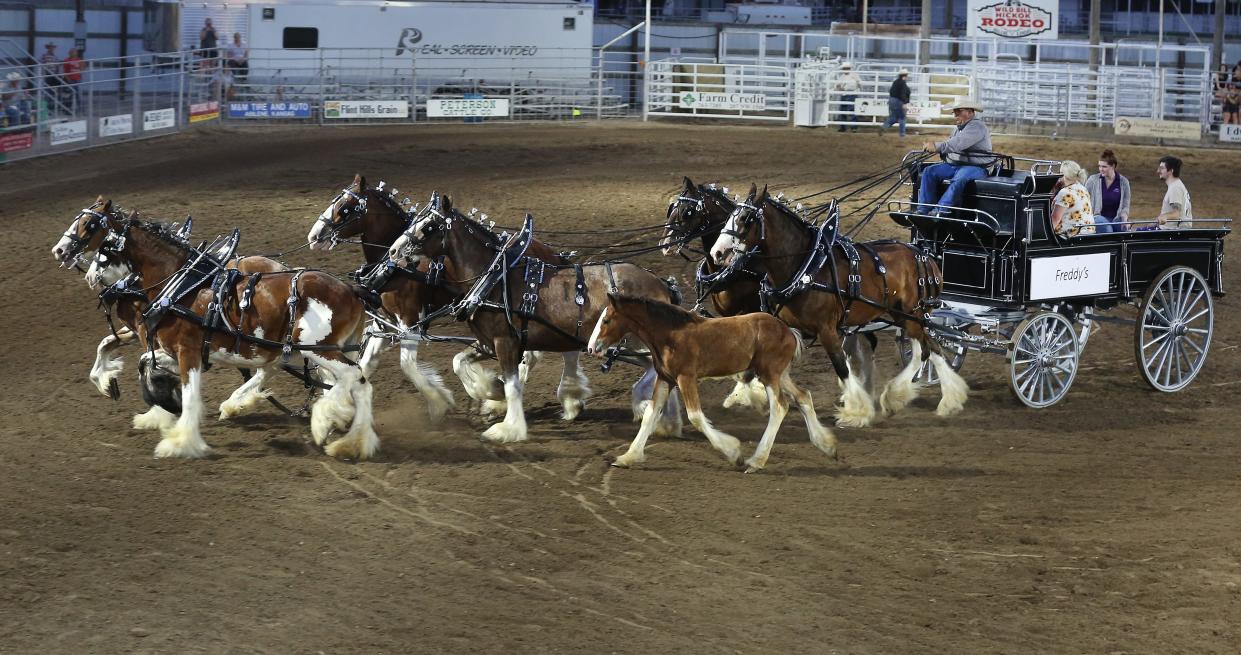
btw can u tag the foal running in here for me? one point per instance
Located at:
(687, 347)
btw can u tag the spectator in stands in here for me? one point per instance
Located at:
(1236, 73)
(898, 102)
(15, 101)
(1177, 211)
(208, 41)
(221, 82)
(1071, 211)
(72, 68)
(1109, 196)
(238, 59)
(965, 154)
(51, 68)
(1231, 100)
(848, 85)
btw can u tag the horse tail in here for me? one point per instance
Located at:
(674, 292)
(800, 343)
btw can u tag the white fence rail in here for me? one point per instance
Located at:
(709, 90)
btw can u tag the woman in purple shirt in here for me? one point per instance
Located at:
(1109, 195)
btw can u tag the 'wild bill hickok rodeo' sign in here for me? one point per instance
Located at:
(1013, 19)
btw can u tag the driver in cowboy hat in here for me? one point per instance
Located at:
(965, 153)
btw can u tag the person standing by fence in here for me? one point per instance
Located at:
(50, 69)
(898, 102)
(238, 59)
(208, 41)
(848, 85)
(72, 66)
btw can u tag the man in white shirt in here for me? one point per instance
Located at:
(847, 85)
(1177, 211)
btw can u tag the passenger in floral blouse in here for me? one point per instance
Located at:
(1071, 213)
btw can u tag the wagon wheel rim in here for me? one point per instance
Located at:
(1043, 359)
(1174, 333)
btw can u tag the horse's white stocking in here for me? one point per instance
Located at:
(246, 397)
(513, 427)
(370, 353)
(334, 410)
(427, 380)
(155, 418)
(650, 417)
(857, 408)
(529, 360)
(954, 388)
(106, 369)
(751, 395)
(574, 387)
(184, 438)
(669, 424)
(820, 435)
(479, 382)
(900, 390)
(642, 390)
(861, 360)
(777, 409)
(725, 443)
(360, 442)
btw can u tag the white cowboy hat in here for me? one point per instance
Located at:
(903, 71)
(967, 102)
(13, 77)
(847, 64)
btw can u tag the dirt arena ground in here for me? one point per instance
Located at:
(1105, 524)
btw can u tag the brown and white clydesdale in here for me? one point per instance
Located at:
(901, 294)
(377, 217)
(544, 314)
(697, 214)
(318, 316)
(687, 347)
(108, 366)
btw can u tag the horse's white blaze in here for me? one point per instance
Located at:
(592, 344)
(900, 390)
(61, 247)
(726, 243)
(184, 439)
(513, 427)
(954, 388)
(320, 223)
(316, 322)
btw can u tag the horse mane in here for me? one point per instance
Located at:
(388, 198)
(661, 311)
(784, 208)
(714, 191)
(162, 230)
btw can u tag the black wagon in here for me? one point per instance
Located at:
(1013, 286)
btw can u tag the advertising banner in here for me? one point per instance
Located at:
(467, 107)
(1070, 276)
(15, 142)
(70, 132)
(1158, 129)
(727, 101)
(366, 109)
(204, 111)
(924, 110)
(269, 110)
(159, 119)
(1230, 133)
(1013, 19)
(116, 125)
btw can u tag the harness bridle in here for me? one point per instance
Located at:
(349, 214)
(78, 243)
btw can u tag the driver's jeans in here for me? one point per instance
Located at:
(936, 173)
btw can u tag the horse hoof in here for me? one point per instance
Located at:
(114, 389)
(753, 469)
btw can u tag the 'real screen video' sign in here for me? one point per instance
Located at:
(1013, 19)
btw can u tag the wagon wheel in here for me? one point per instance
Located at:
(1174, 330)
(1043, 359)
(954, 354)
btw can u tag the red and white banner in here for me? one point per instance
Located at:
(204, 111)
(15, 142)
(1013, 19)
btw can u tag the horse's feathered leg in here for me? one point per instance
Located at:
(650, 417)
(857, 409)
(184, 438)
(954, 389)
(513, 427)
(246, 397)
(900, 390)
(725, 443)
(777, 408)
(574, 386)
(820, 435)
(426, 379)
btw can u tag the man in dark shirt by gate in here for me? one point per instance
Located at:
(898, 100)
